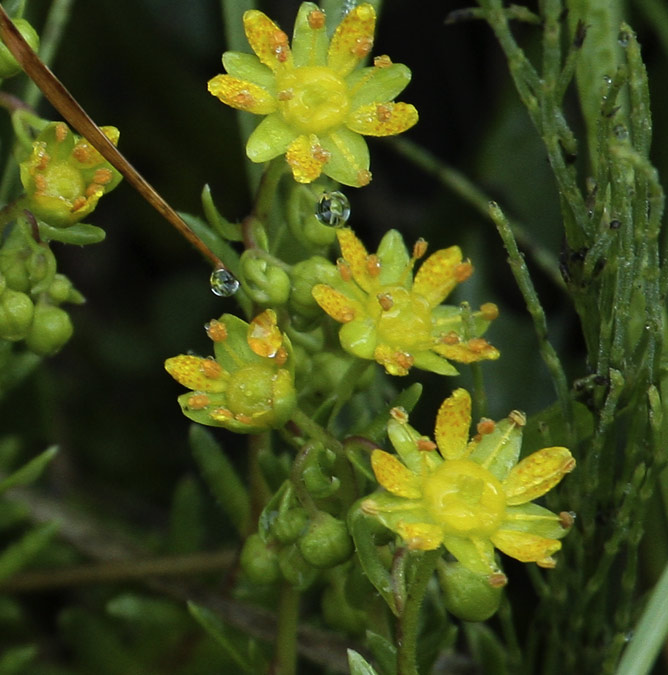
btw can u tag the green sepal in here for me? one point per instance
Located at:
(434, 363)
(369, 556)
(80, 234)
(269, 139)
(534, 519)
(377, 85)
(499, 450)
(359, 337)
(309, 46)
(404, 438)
(248, 67)
(265, 283)
(316, 474)
(342, 146)
(395, 259)
(221, 477)
(226, 229)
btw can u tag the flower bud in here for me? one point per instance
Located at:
(16, 314)
(51, 328)
(289, 525)
(326, 542)
(13, 268)
(64, 176)
(305, 275)
(468, 595)
(267, 284)
(61, 290)
(259, 561)
(295, 569)
(8, 64)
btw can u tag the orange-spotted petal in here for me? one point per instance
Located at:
(242, 95)
(475, 349)
(340, 307)
(267, 40)
(197, 373)
(356, 256)
(382, 119)
(537, 474)
(353, 39)
(524, 546)
(306, 158)
(394, 476)
(436, 276)
(264, 335)
(420, 536)
(453, 423)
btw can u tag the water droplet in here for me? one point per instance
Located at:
(623, 38)
(223, 282)
(607, 79)
(333, 209)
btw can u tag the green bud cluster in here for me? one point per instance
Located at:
(31, 292)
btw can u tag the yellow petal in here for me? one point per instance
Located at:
(536, 474)
(336, 304)
(268, 41)
(475, 349)
(395, 361)
(197, 373)
(453, 423)
(420, 536)
(356, 256)
(524, 546)
(436, 276)
(382, 119)
(394, 476)
(264, 335)
(306, 158)
(352, 40)
(242, 95)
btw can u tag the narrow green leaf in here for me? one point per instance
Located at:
(226, 229)
(222, 636)
(383, 651)
(80, 234)
(186, 530)
(29, 472)
(15, 659)
(359, 665)
(18, 554)
(221, 477)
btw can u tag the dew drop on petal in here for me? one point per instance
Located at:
(223, 283)
(333, 209)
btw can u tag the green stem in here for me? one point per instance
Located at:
(408, 624)
(315, 431)
(470, 193)
(521, 274)
(650, 633)
(285, 657)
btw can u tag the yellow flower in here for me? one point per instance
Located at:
(316, 99)
(398, 320)
(64, 176)
(470, 496)
(249, 386)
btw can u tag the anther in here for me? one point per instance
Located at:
(216, 330)
(383, 61)
(383, 112)
(485, 426)
(462, 271)
(285, 95)
(399, 414)
(344, 269)
(210, 368)
(362, 47)
(198, 402)
(489, 311)
(385, 301)
(363, 177)
(419, 248)
(518, 418)
(61, 132)
(373, 265)
(316, 19)
(426, 445)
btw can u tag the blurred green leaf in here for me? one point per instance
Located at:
(14, 660)
(29, 472)
(359, 665)
(221, 477)
(18, 554)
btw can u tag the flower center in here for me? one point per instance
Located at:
(403, 319)
(464, 498)
(313, 99)
(250, 390)
(63, 181)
